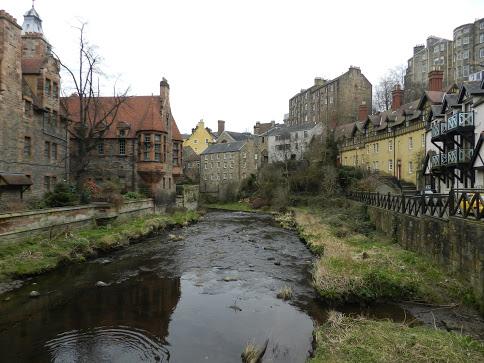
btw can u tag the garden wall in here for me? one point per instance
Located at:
(54, 221)
(456, 243)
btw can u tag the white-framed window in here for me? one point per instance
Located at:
(465, 40)
(442, 47)
(390, 145)
(410, 167)
(481, 25)
(331, 100)
(465, 54)
(375, 147)
(481, 53)
(481, 38)
(390, 165)
(458, 42)
(410, 143)
(206, 165)
(465, 71)
(436, 49)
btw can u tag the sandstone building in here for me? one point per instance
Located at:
(33, 138)
(201, 137)
(331, 102)
(223, 167)
(142, 150)
(458, 58)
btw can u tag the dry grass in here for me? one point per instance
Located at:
(346, 339)
(285, 293)
(357, 264)
(252, 353)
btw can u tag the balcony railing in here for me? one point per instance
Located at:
(453, 157)
(454, 122)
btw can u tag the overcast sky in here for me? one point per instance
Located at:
(241, 61)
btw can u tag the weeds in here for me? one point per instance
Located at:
(347, 339)
(285, 293)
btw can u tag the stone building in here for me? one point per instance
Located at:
(438, 53)
(291, 142)
(458, 58)
(142, 150)
(191, 164)
(33, 138)
(392, 143)
(331, 102)
(223, 167)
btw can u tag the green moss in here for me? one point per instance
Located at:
(345, 339)
(37, 255)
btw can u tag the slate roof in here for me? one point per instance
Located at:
(224, 147)
(284, 129)
(15, 179)
(239, 136)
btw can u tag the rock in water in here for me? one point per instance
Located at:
(230, 278)
(101, 284)
(34, 293)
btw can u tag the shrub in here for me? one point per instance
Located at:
(132, 196)
(62, 196)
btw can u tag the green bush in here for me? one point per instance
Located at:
(63, 195)
(132, 196)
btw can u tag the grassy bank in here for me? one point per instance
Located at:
(345, 339)
(37, 255)
(231, 206)
(359, 264)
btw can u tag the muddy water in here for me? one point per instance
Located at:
(200, 299)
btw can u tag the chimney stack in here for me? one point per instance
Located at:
(363, 111)
(221, 127)
(397, 97)
(436, 78)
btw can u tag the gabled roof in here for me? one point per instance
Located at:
(239, 136)
(471, 88)
(135, 114)
(288, 129)
(434, 97)
(226, 147)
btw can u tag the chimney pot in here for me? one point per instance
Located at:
(436, 78)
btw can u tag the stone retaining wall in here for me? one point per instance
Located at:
(50, 222)
(456, 243)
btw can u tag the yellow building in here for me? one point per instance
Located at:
(200, 138)
(391, 142)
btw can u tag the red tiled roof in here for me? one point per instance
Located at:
(137, 113)
(32, 65)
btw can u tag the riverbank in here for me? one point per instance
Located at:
(231, 207)
(38, 255)
(359, 265)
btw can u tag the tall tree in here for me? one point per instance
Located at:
(89, 114)
(382, 97)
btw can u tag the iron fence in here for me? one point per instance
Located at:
(461, 203)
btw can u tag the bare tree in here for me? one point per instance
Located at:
(382, 99)
(89, 114)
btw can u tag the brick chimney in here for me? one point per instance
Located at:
(397, 97)
(436, 78)
(363, 111)
(221, 126)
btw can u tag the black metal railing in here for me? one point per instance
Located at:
(461, 203)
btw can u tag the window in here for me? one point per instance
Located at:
(390, 165)
(481, 38)
(465, 40)
(53, 180)
(54, 151)
(442, 47)
(481, 53)
(28, 110)
(206, 166)
(465, 54)
(390, 145)
(195, 141)
(100, 147)
(47, 150)
(47, 87)
(410, 167)
(157, 147)
(330, 99)
(458, 42)
(436, 49)
(176, 154)
(465, 71)
(46, 182)
(410, 143)
(481, 25)
(375, 148)
(465, 30)
(27, 147)
(55, 90)
(122, 146)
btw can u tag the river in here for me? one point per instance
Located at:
(199, 299)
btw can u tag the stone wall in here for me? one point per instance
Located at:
(456, 244)
(187, 196)
(54, 221)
